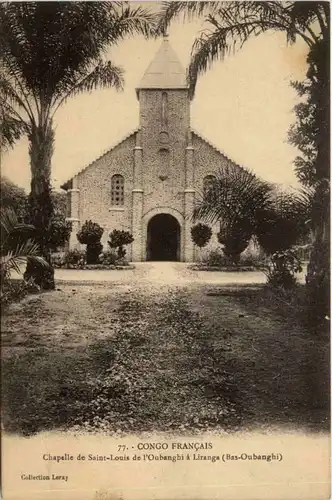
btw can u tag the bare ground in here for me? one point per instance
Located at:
(129, 357)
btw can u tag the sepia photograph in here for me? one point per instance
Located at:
(165, 250)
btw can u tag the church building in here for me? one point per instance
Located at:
(147, 183)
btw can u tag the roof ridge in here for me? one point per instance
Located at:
(201, 136)
(108, 150)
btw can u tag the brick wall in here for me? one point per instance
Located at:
(168, 192)
(163, 171)
(94, 184)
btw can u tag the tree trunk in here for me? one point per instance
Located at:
(41, 141)
(318, 272)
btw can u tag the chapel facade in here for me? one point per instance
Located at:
(147, 183)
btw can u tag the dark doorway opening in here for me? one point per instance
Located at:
(163, 238)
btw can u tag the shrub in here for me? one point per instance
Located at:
(284, 223)
(14, 291)
(74, 258)
(282, 268)
(14, 197)
(17, 247)
(253, 256)
(108, 258)
(90, 235)
(234, 241)
(118, 239)
(217, 258)
(93, 252)
(201, 234)
(58, 259)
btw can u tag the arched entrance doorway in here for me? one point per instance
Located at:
(163, 238)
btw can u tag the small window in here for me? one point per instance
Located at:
(208, 182)
(117, 190)
(68, 207)
(164, 163)
(164, 109)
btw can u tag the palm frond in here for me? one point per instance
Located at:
(306, 13)
(234, 198)
(9, 95)
(228, 28)
(29, 249)
(9, 263)
(103, 75)
(131, 21)
(187, 10)
(8, 220)
(26, 252)
(11, 130)
(11, 227)
(228, 25)
(14, 55)
(49, 47)
(212, 46)
(90, 29)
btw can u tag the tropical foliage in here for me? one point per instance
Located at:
(286, 222)
(51, 51)
(234, 199)
(228, 25)
(17, 246)
(282, 269)
(14, 197)
(59, 232)
(247, 207)
(311, 134)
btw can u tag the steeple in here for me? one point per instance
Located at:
(165, 70)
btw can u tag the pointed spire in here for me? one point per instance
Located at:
(165, 70)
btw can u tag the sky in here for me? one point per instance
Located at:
(243, 105)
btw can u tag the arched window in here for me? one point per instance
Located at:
(117, 190)
(164, 109)
(164, 164)
(208, 182)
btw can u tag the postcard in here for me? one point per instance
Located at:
(165, 250)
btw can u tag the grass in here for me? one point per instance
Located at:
(168, 359)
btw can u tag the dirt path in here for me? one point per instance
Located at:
(152, 273)
(131, 357)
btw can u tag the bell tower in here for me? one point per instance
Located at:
(164, 136)
(164, 101)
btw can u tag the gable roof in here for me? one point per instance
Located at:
(67, 185)
(204, 139)
(165, 70)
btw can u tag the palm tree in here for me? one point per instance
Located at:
(51, 51)
(246, 207)
(235, 199)
(17, 246)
